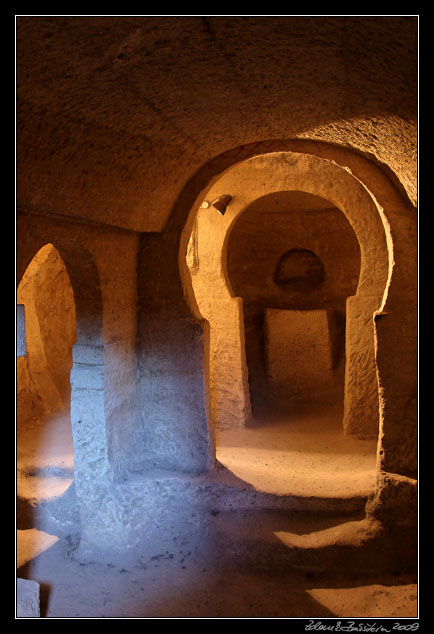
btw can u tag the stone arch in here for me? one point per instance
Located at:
(43, 426)
(245, 182)
(50, 334)
(88, 420)
(84, 278)
(294, 260)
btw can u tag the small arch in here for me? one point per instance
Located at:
(87, 376)
(45, 452)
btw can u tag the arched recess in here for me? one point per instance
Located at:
(245, 182)
(88, 420)
(294, 260)
(43, 371)
(45, 454)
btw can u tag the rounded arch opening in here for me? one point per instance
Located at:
(205, 264)
(45, 452)
(88, 460)
(293, 259)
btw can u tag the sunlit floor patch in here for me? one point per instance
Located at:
(377, 601)
(308, 456)
(32, 542)
(179, 584)
(45, 458)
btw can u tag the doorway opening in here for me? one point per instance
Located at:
(45, 452)
(294, 260)
(287, 279)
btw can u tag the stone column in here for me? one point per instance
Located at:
(171, 396)
(227, 366)
(397, 372)
(87, 411)
(171, 385)
(228, 373)
(89, 434)
(361, 405)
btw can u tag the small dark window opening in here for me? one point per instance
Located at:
(299, 270)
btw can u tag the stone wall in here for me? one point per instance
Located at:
(105, 301)
(299, 358)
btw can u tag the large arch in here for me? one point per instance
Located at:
(88, 416)
(246, 182)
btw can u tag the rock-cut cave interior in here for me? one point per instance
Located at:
(216, 321)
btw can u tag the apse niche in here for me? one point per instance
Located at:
(294, 260)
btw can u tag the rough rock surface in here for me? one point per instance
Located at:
(27, 598)
(133, 106)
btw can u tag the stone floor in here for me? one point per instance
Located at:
(241, 573)
(179, 584)
(307, 455)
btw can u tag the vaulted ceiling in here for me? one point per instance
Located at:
(115, 114)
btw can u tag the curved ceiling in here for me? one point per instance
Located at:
(115, 114)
